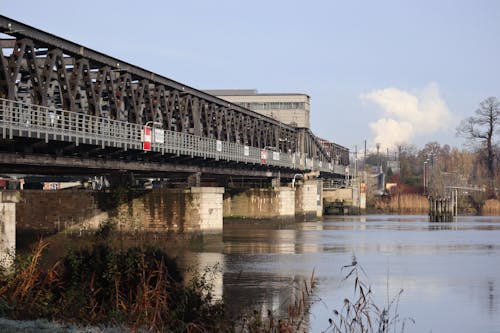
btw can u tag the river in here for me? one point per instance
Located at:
(449, 272)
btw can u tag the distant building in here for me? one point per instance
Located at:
(291, 109)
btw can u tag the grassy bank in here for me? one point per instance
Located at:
(418, 204)
(402, 204)
(491, 207)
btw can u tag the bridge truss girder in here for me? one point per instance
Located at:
(43, 69)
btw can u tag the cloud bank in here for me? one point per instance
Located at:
(406, 116)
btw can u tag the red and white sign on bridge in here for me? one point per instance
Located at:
(146, 138)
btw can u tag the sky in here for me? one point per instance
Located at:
(388, 72)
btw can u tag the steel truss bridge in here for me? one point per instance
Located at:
(67, 107)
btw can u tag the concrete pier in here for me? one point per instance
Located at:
(260, 203)
(308, 199)
(157, 210)
(303, 201)
(8, 201)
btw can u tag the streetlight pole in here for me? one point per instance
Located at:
(425, 177)
(378, 155)
(356, 162)
(399, 179)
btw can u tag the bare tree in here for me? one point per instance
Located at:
(480, 129)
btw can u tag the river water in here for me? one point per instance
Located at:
(449, 272)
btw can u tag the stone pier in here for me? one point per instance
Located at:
(260, 203)
(8, 201)
(308, 200)
(157, 210)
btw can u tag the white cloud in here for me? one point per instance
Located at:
(407, 115)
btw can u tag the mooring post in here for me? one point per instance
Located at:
(442, 209)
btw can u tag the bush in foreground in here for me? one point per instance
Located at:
(139, 288)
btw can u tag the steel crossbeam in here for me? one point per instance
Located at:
(66, 91)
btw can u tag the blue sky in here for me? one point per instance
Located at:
(384, 71)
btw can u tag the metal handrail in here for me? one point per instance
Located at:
(28, 120)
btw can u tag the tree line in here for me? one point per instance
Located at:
(435, 167)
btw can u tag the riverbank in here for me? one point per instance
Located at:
(104, 285)
(45, 326)
(418, 204)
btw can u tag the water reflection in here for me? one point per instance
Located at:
(445, 268)
(249, 291)
(450, 272)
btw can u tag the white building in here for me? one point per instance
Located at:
(291, 109)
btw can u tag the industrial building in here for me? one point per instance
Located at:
(289, 108)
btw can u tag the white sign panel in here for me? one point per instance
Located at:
(246, 151)
(276, 156)
(159, 135)
(219, 145)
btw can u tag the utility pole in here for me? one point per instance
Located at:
(364, 166)
(387, 160)
(378, 154)
(356, 162)
(425, 177)
(399, 179)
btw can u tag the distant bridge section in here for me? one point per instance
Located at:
(61, 98)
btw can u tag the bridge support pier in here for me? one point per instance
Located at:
(8, 200)
(207, 207)
(308, 199)
(172, 210)
(157, 210)
(260, 203)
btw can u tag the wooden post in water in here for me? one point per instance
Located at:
(442, 209)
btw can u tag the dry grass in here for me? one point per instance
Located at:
(295, 320)
(137, 288)
(404, 204)
(491, 207)
(362, 315)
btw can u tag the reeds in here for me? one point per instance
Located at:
(362, 315)
(491, 207)
(137, 288)
(403, 204)
(295, 319)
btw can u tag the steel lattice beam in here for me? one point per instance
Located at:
(54, 72)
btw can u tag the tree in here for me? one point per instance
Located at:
(480, 129)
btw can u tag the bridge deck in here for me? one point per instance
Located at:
(21, 120)
(54, 90)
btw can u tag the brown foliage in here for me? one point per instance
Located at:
(133, 288)
(404, 204)
(491, 207)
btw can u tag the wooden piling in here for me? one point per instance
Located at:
(442, 209)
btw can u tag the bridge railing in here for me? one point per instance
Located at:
(33, 121)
